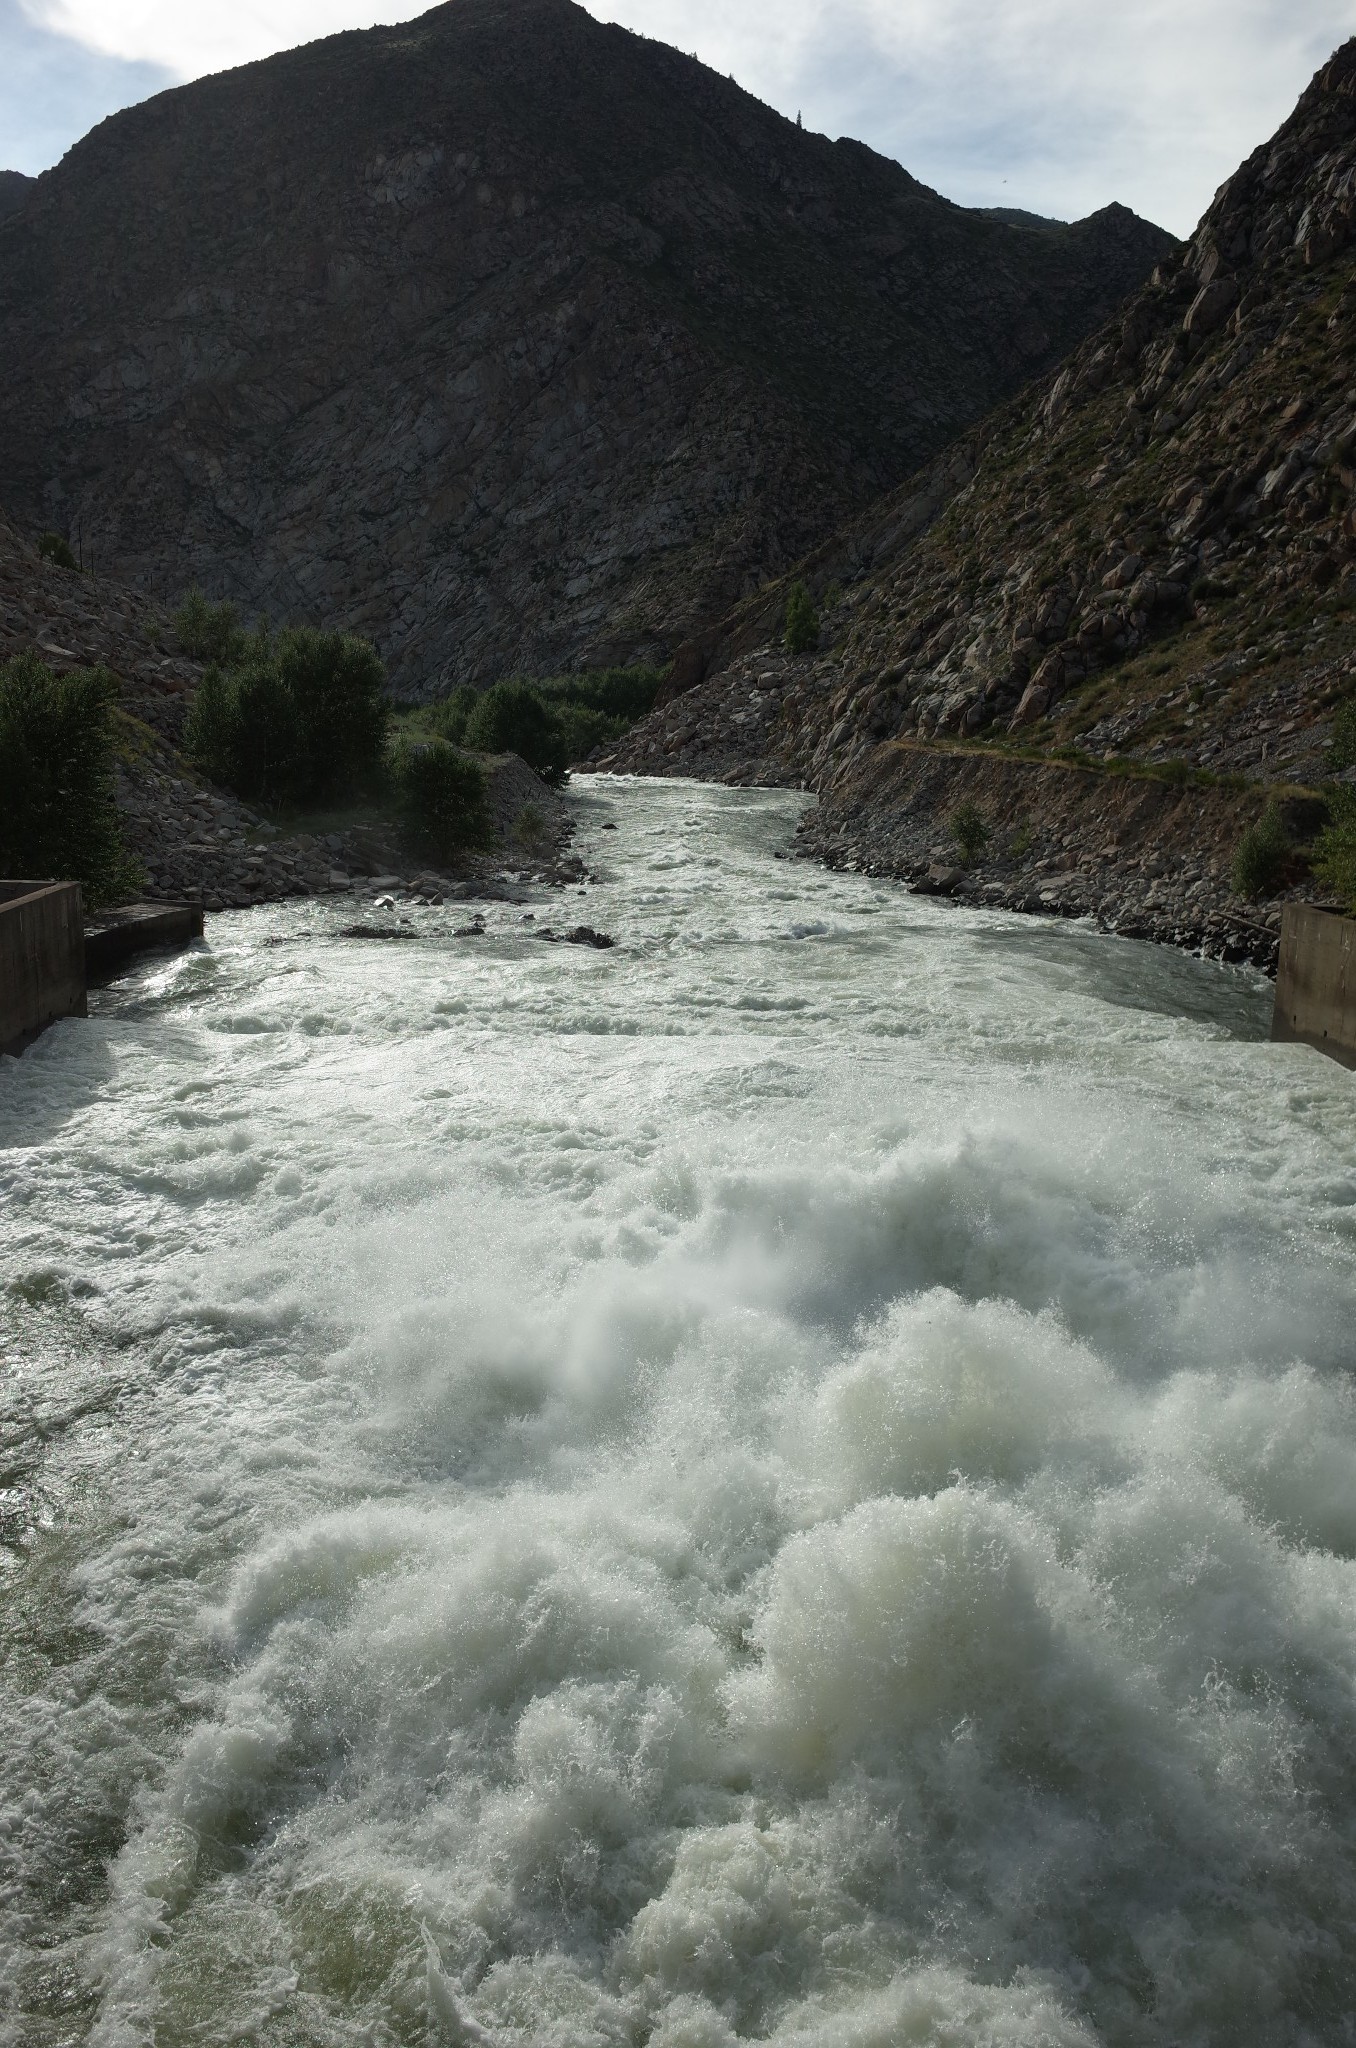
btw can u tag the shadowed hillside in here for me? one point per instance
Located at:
(506, 337)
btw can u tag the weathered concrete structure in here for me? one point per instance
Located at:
(137, 928)
(1316, 984)
(42, 959)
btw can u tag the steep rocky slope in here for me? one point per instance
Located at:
(1139, 577)
(506, 337)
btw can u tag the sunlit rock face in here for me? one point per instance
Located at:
(507, 337)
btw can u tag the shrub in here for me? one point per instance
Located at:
(529, 827)
(449, 718)
(1334, 857)
(209, 632)
(53, 548)
(802, 621)
(1344, 737)
(1263, 851)
(442, 796)
(302, 719)
(969, 831)
(57, 810)
(627, 694)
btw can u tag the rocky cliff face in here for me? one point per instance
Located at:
(508, 338)
(1146, 566)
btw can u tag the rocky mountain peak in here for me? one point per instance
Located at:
(510, 338)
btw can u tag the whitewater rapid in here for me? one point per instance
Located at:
(794, 1481)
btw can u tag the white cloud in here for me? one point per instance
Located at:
(192, 37)
(1059, 105)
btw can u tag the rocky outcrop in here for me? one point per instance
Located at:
(508, 338)
(14, 189)
(1146, 564)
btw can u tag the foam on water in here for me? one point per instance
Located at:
(793, 1482)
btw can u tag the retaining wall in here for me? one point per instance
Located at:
(42, 958)
(1316, 983)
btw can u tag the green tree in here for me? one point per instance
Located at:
(302, 719)
(512, 718)
(58, 815)
(209, 632)
(1344, 737)
(1334, 858)
(53, 548)
(969, 831)
(802, 621)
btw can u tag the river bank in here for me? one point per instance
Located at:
(1146, 846)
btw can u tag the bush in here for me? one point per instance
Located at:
(449, 718)
(627, 694)
(53, 548)
(442, 795)
(1263, 852)
(1334, 858)
(530, 827)
(302, 719)
(57, 812)
(802, 621)
(210, 632)
(969, 831)
(1344, 737)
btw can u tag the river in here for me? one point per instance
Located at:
(793, 1481)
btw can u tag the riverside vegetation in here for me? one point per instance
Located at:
(186, 756)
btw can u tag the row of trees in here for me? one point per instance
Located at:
(292, 721)
(300, 718)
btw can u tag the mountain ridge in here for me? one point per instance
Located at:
(506, 336)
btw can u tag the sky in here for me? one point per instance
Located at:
(1059, 106)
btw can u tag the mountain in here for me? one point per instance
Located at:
(1120, 614)
(507, 337)
(14, 189)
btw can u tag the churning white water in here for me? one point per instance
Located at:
(793, 1482)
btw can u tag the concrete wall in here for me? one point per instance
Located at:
(42, 958)
(1316, 984)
